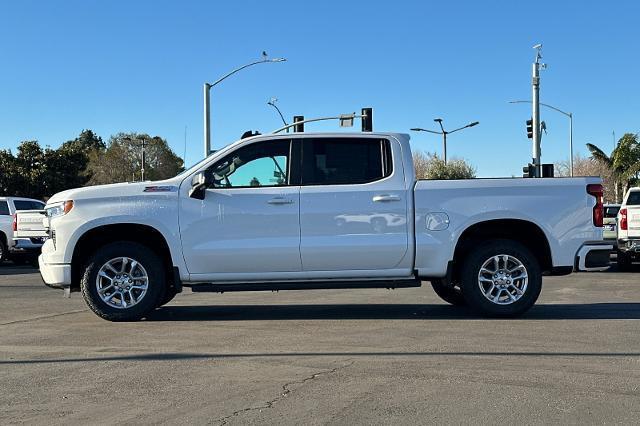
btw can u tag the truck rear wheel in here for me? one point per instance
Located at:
(448, 292)
(501, 278)
(624, 261)
(3, 248)
(123, 281)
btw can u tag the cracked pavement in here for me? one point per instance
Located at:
(322, 357)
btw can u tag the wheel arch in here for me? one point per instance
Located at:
(101, 235)
(524, 232)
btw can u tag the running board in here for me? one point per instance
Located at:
(304, 285)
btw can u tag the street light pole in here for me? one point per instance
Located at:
(444, 134)
(568, 114)
(272, 102)
(207, 98)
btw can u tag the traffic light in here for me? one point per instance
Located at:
(529, 171)
(299, 127)
(530, 129)
(367, 119)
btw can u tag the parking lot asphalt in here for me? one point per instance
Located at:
(323, 357)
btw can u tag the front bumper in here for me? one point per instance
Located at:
(55, 275)
(594, 256)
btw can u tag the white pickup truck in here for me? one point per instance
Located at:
(315, 211)
(14, 246)
(628, 219)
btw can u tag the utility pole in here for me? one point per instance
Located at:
(535, 116)
(144, 145)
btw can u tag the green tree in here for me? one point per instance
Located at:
(623, 162)
(39, 173)
(430, 166)
(121, 161)
(9, 173)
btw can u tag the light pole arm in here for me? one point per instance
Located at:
(568, 114)
(418, 129)
(229, 74)
(464, 127)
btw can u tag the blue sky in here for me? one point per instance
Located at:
(140, 65)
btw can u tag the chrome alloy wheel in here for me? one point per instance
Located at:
(503, 279)
(122, 282)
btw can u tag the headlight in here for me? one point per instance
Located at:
(59, 209)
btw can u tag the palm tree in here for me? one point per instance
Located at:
(624, 161)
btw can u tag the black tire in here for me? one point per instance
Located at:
(476, 298)
(145, 257)
(19, 260)
(448, 292)
(624, 261)
(3, 248)
(169, 294)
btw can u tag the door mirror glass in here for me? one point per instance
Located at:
(199, 184)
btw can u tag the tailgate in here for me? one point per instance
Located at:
(29, 224)
(633, 220)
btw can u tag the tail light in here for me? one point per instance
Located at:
(15, 222)
(598, 210)
(624, 225)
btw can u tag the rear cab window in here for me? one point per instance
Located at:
(633, 199)
(345, 161)
(611, 211)
(28, 205)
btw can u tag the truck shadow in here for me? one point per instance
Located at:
(385, 311)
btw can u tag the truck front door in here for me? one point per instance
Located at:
(248, 222)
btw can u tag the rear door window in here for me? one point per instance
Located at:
(344, 161)
(4, 208)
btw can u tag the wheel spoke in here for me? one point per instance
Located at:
(123, 267)
(102, 290)
(132, 267)
(520, 293)
(108, 265)
(103, 274)
(516, 269)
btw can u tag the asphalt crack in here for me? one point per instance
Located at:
(42, 317)
(283, 394)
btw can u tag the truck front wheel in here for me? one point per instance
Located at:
(501, 278)
(123, 281)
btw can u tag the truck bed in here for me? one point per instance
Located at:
(444, 209)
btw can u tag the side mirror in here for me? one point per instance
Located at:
(199, 185)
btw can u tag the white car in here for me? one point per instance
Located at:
(288, 212)
(629, 229)
(17, 248)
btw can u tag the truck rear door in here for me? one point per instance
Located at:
(353, 208)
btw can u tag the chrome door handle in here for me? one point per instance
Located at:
(385, 197)
(280, 200)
